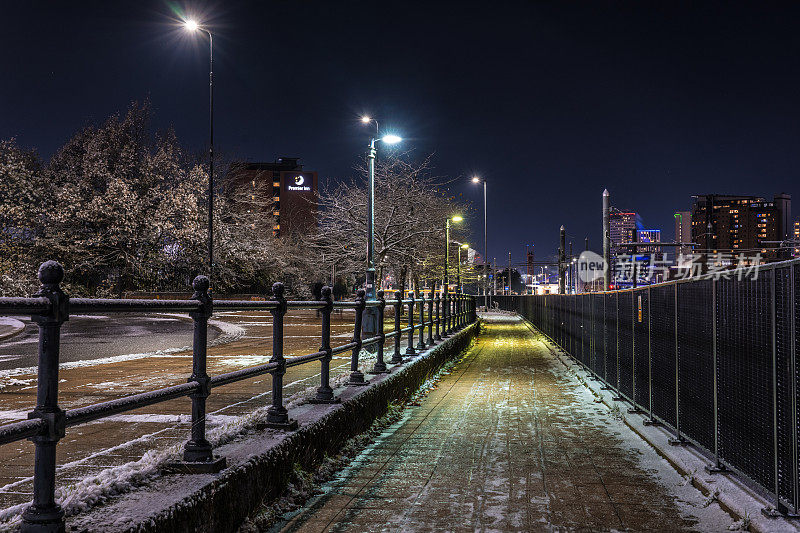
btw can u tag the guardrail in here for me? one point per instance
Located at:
(713, 359)
(51, 307)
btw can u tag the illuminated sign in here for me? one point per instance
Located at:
(299, 184)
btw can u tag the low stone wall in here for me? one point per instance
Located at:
(260, 465)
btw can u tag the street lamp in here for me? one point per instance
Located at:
(464, 246)
(477, 179)
(456, 219)
(193, 26)
(371, 154)
(370, 316)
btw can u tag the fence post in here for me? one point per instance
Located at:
(678, 440)
(380, 366)
(397, 358)
(438, 336)
(421, 343)
(779, 509)
(443, 318)
(197, 453)
(44, 514)
(325, 392)
(356, 376)
(430, 319)
(793, 388)
(410, 348)
(277, 415)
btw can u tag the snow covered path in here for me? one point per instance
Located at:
(509, 441)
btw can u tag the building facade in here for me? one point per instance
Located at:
(683, 232)
(293, 207)
(622, 226)
(742, 224)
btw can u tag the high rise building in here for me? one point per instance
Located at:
(622, 228)
(293, 192)
(741, 224)
(683, 232)
(648, 236)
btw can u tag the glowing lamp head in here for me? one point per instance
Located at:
(457, 218)
(366, 119)
(476, 179)
(465, 246)
(391, 139)
(191, 25)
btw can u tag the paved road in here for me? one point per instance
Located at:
(509, 441)
(94, 337)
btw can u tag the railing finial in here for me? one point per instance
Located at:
(51, 273)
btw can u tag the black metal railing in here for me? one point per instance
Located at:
(51, 307)
(712, 358)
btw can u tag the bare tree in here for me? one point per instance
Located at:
(411, 206)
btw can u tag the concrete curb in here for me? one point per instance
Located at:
(10, 327)
(732, 494)
(261, 464)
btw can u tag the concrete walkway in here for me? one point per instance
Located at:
(509, 441)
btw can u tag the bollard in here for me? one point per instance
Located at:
(380, 366)
(277, 415)
(44, 515)
(430, 320)
(325, 392)
(410, 348)
(421, 343)
(356, 376)
(198, 455)
(438, 337)
(397, 358)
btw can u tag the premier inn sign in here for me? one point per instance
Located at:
(299, 184)
(590, 267)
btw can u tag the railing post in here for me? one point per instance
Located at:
(325, 392)
(651, 421)
(397, 358)
(380, 366)
(438, 336)
(410, 348)
(198, 455)
(445, 313)
(277, 415)
(356, 376)
(718, 466)
(421, 343)
(44, 515)
(430, 320)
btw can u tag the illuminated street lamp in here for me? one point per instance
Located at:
(456, 219)
(460, 286)
(370, 316)
(192, 26)
(477, 179)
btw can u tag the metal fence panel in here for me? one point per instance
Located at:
(662, 339)
(695, 361)
(625, 340)
(785, 380)
(612, 376)
(597, 334)
(744, 376)
(641, 348)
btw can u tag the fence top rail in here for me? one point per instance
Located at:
(24, 306)
(114, 305)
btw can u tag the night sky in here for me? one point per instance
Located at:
(550, 102)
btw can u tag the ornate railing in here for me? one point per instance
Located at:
(51, 307)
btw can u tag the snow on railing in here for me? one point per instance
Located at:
(51, 307)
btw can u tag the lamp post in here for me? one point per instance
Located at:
(455, 219)
(370, 322)
(192, 26)
(477, 179)
(464, 246)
